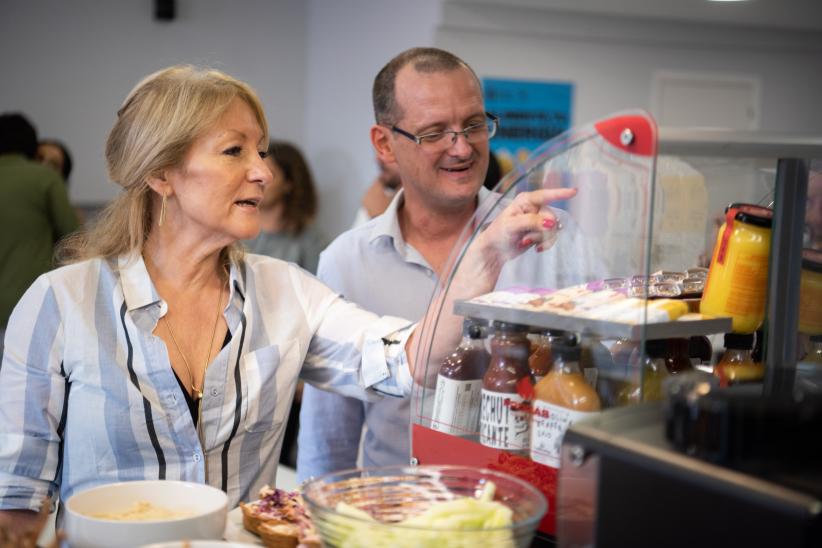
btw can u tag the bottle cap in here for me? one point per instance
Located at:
(474, 328)
(752, 214)
(655, 348)
(568, 353)
(508, 327)
(739, 341)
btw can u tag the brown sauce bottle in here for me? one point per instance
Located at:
(541, 359)
(459, 383)
(505, 414)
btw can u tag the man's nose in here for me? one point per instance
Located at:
(459, 143)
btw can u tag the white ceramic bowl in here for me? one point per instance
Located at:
(206, 508)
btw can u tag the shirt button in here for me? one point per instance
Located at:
(197, 457)
(214, 392)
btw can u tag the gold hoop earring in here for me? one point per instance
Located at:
(162, 211)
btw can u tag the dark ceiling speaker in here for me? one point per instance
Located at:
(164, 10)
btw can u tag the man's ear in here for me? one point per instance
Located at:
(383, 144)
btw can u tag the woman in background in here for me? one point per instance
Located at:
(288, 210)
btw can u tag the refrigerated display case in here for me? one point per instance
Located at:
(621, 285)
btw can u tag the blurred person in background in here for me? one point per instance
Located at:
(34, 213)
(379, 193)
(55, 154)
(288, 210)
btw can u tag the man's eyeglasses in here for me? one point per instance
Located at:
(475, 133)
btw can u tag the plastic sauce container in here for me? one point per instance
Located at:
(738, 277)
(810, 293)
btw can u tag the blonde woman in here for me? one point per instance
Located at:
(161, 351)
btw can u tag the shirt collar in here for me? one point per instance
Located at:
(138, 288)
(388, 223)
(140, 294)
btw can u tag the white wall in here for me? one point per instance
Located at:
(349, 41)
(69, 65)
(612, 60)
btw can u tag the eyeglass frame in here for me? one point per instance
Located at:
(454, 133)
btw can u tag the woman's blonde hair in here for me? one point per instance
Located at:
(159, 120)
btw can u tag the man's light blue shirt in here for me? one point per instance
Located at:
(373, 266)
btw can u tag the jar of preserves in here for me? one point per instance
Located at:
(736, 285)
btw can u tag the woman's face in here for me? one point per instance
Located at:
(279, 185)
(218, 189)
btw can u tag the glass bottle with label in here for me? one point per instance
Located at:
(652, 370)
(560, 399)
(541, 357)
(736, 366)
(459, 383)
(738, 277)
(505, 413)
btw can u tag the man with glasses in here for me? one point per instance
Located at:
(431, 123)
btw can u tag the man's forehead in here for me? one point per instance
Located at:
(411, 90)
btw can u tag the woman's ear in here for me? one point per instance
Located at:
(383, 144)
(159, 184)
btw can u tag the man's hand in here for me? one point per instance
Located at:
(527, 221)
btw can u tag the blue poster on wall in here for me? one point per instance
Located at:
(531, 112)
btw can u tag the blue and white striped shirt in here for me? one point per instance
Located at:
(88, 395)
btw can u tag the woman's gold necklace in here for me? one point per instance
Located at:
(197, 393)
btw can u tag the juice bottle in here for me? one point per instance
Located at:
(651, 369)
(560, 399)
(736, 365)
(505, 413)
(459, 384)
(737, 279)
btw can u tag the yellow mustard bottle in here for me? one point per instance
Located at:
(737, 280)
(810, 293)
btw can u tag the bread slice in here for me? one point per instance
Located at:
(279, 535)
(280, 519)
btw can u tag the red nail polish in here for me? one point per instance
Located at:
(548, 223)
(525, 243)
(540, 249)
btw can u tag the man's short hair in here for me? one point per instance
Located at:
(425, 60)
(17, 135)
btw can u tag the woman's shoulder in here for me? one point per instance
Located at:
(73, 271)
